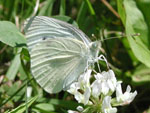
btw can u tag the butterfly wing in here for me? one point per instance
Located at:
(56, 63)
(40, 28)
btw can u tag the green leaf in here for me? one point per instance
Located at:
(22, 107)
(135, 20)
(25, 54)
(14, 67)
(66, 19)
(16, 92)
(135, 24)
(46, 10)
(13, 89)
(141, 75)
(82, 14)
(92, 12)
(10, 35)
(62, 7)
(64, 103)
(44, 107)
(22, 73)
(121, 11)
(144, 7)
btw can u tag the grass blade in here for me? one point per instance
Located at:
(92, 12)
(22, 107)
(46, 10)
(15, 93)
(82, 13)
(14, 67)
(62, 7)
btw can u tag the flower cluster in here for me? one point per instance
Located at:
(96, 94)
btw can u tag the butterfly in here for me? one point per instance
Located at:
(59, 52)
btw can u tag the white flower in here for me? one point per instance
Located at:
(79, 97)
(84, 79)
(83, 84)
(71, 111)
(87, 94)
(96, 88)
(125, 98)
(106, 106)
(83, 98)
(104, 82)
(80, 108)
(74, 88)
(111, 80)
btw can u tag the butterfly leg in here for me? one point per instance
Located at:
(102, 57)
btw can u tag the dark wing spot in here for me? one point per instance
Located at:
(44, 38)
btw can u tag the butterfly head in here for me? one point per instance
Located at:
(94, 49)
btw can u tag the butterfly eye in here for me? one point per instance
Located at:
(94, 45)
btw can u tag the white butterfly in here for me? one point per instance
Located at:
(59, 52)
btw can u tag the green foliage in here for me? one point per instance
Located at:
(129, 57)
(44, 107)
(62, 7)
(141, 75)
(46, 10)
(135, 24)
(66, 19)
(10, 35)
(22, 107)
(13, 69)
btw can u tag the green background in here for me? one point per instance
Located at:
(127, 22)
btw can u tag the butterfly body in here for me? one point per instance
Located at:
(59, 52)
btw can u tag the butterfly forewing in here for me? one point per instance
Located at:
(56, 63)
(41, 27)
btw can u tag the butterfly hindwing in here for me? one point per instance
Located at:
(56, 63)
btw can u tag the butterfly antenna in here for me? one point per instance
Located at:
(94, 37)
(123, 35)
